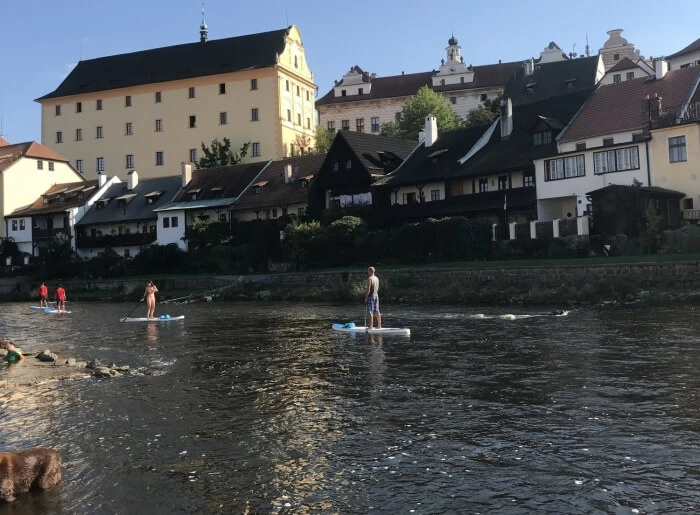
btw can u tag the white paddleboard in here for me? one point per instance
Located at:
(398, 331)
(47, 310)
(158, 319)
(56, 312)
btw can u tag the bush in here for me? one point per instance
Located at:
(334, 246)
(297, 241)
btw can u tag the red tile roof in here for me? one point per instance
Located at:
(54, 205)
(3, 142)
(620, 107)
(625, 64)
(11, 153)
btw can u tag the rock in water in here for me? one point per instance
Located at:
(47, 356)
(71, 362)
(265, 294)
(94, 364)
(121, 368)
(103, 372)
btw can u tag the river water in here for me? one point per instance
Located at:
(260, 408)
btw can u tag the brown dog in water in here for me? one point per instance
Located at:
(19, 472)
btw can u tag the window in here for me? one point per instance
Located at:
(336, 166)
(129, 128)
(331, 127)
(193, 121)
(78, 134)
(222, 217)
(308, 123)
(616, 57)
(608, 142)
(434, 195)
(580, 146)
(298, 91)
(637, 137)
(129, 160)
(677, 151)
(483, 185)
(58, 110)
(193, 155)
(39, 165)
(409, 198)
(256, 149)
(51, 166)
(159, 158)
(159, 98)
(59, 137)
(298, 119)
(529, 181)
(286, 86)
(14, 225)
(79, 165)
(296, 61)
(308, 96)
(127, 253)
(301, 211)
(616, 160)
(274, 212)
(442, 82)
(360, 124)
(617, 78)
(98, 104)
(687, 203)
(100, 164)
(397, 117)
(99, 134)
(564, 168)
(348, 164)
(223, 119)
(159, 125)
(630, 75)
(78, 107)
(289, 115)
(361, 91)
(173, 221)
(222, 88)
(253, 83)
(375, 124)
(166, 222)
(484, 96)
(345, 124)
(23, 223)
(190, 92)
(502, 182)
(254, 114)
(343, 93)
(543, 138)
(127, 101)
(453, 100)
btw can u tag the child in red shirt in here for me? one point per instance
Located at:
(61, 298)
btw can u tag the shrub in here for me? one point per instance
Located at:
(334, 246)
(297, 241)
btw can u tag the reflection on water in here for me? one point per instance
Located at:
(261, 408)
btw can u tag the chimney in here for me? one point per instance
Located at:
(529, 66)
(288, 173)
(133, 179)
(186, 174)
(431, 130)
(101, 179)
(660, 67)
(506, 118)
(421, 136)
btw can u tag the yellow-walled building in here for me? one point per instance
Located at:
(153, 109)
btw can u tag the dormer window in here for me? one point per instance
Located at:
(530, 87)
(348, 164)
(259, 187)
(543, 138)
(361, 91)
(570, 83)
(46, 201)
(61, 198)
(336, 166)
(194, 194)
(343, 93)
(217, 191)
(81, 196)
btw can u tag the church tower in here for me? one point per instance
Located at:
(453, 70)
(203, 32)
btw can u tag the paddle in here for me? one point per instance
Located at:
(130, 312)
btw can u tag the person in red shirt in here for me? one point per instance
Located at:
(61, 298)
(44, 292)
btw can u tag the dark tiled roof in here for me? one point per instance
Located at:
(276, 191)
(368, 146)
(221, 183)
(357, 69)
(693, 47)
(406, 85)
(620, 107)
(173, 63)
(625, 64)
(137, 208)
(70, 192)
(647, 189)
(11, 153)
(552, 79)
(438, 161)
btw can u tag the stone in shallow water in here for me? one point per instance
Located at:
(104, 372)
(71, 362)
(47, 356)
(94, 364)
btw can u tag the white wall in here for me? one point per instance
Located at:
(169, 235)
(691, 58)
(21, 236)
(609, 77)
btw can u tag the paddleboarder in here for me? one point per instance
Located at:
(372, 298)
(60, 299)
(150, 296)
(44, 293)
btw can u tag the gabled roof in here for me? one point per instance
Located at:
(693, 47)
(357, 69)
(620, 107)
(369, 148)
(549, 80)
(171, 63)
(276, 191)
(655, 190)
(162, 189)
(69, 191)
(11, 153)
(625, 64)
(485, 76)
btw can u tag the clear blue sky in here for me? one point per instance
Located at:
(41, 40)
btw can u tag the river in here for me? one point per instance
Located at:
(260, 408)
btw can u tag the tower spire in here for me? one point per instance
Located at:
(203, 32)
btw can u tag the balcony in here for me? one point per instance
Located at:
(670, 116)
(47, 234)
(116, 240)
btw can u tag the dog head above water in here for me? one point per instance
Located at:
(38, 467)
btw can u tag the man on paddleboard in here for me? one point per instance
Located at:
(44, 293)
(60, 298)
(372, 298)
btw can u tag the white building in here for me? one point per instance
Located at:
(616, 48)
(626, 69)
(689, 56)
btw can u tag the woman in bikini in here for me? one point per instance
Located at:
(150, 296)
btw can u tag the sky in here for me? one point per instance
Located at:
(42, 40)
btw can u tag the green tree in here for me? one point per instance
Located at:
(651, 230)
(220, 154)
(324, 138)
(494, 104)
(479, 116)
(426, 102)
(390, 130)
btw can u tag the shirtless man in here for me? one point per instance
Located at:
(150, 296)
(372, 298)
